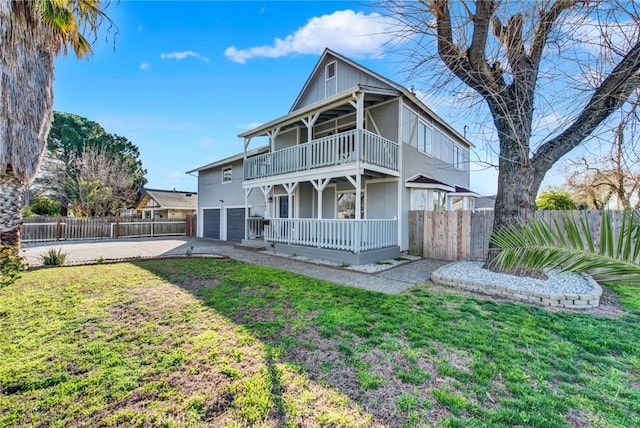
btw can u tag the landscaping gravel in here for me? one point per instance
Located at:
(567, 283)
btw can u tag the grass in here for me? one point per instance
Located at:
(200, 342)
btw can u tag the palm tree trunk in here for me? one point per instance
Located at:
(10, 209)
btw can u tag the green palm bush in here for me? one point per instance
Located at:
(568, 243)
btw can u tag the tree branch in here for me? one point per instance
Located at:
(608, 97)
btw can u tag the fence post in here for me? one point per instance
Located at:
(58, 228)
(117, 234)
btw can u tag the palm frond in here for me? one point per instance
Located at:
(568, 244)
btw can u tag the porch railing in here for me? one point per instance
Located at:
(256, 226)
(350, 235)
(343, 148)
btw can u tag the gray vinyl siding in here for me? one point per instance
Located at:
(212, 193)
(328, 202)
(286, 139)
(347, 76)
(386, 118)
(414, 162)
(306, 195)
(382, 200)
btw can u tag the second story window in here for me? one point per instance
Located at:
(424, 137)
(459, 160)
(227, 175)
(331, 80)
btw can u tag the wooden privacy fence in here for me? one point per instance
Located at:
(464, 235)
(42, 229)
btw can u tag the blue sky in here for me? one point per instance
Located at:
(185, 78)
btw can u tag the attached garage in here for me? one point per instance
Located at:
(235, 224)
(211, 223)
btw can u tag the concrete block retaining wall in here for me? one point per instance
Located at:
(543, 298)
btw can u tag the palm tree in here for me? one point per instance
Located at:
(569, 244)
(32, 34)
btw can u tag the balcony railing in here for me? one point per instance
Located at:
(350, 235)
(343, 148)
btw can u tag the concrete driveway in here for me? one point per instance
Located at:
(391, 281)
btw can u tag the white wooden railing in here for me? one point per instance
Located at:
(350, 235)
(343, 148)
(255, 226)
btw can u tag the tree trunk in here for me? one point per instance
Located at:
(10, 210)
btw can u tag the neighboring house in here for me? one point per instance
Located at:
(341, 172)
(166, 204)
(485, 203)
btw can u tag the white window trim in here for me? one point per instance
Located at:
(342, 191)
(222, 180)
(333, 79)
(421, 121)
(455, 158)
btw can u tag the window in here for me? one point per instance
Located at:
(331, 70)
(331, 81)
(227, 175)
(459, 160)
(424, 137)
(347, 205)
(428, 200)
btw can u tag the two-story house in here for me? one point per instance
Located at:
(340, 172)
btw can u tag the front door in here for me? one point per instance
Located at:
(283, 206)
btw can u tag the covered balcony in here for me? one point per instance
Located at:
(349, 147)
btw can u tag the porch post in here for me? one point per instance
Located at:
(246, 213)
(309, 121)
(290, 187)
(265, 192)
(358, 216)
(320, 185)
(272, 137)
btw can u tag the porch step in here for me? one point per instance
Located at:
(251, 245)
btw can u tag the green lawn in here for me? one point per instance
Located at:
(197, 342)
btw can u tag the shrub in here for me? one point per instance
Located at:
(42, 205)
(11, 265)
(53, 257)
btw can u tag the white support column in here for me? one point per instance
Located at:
(358, 234)
(309, 121)
(246, 212)
(247, 140)
(289, 188)
(272, 137)
(320, 185)
(265, 191)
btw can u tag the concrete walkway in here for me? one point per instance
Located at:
(392, 281)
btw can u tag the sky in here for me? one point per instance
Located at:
(182, 79)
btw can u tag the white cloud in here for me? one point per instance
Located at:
(144, 65)
(183, 55)
(350, 33)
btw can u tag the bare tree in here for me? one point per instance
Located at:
(91, 183)
(573, 60)
(599, 180)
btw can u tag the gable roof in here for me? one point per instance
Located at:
(228, 160)
(404, 91)
(317, 68)
(423, 182)
(169, 199)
